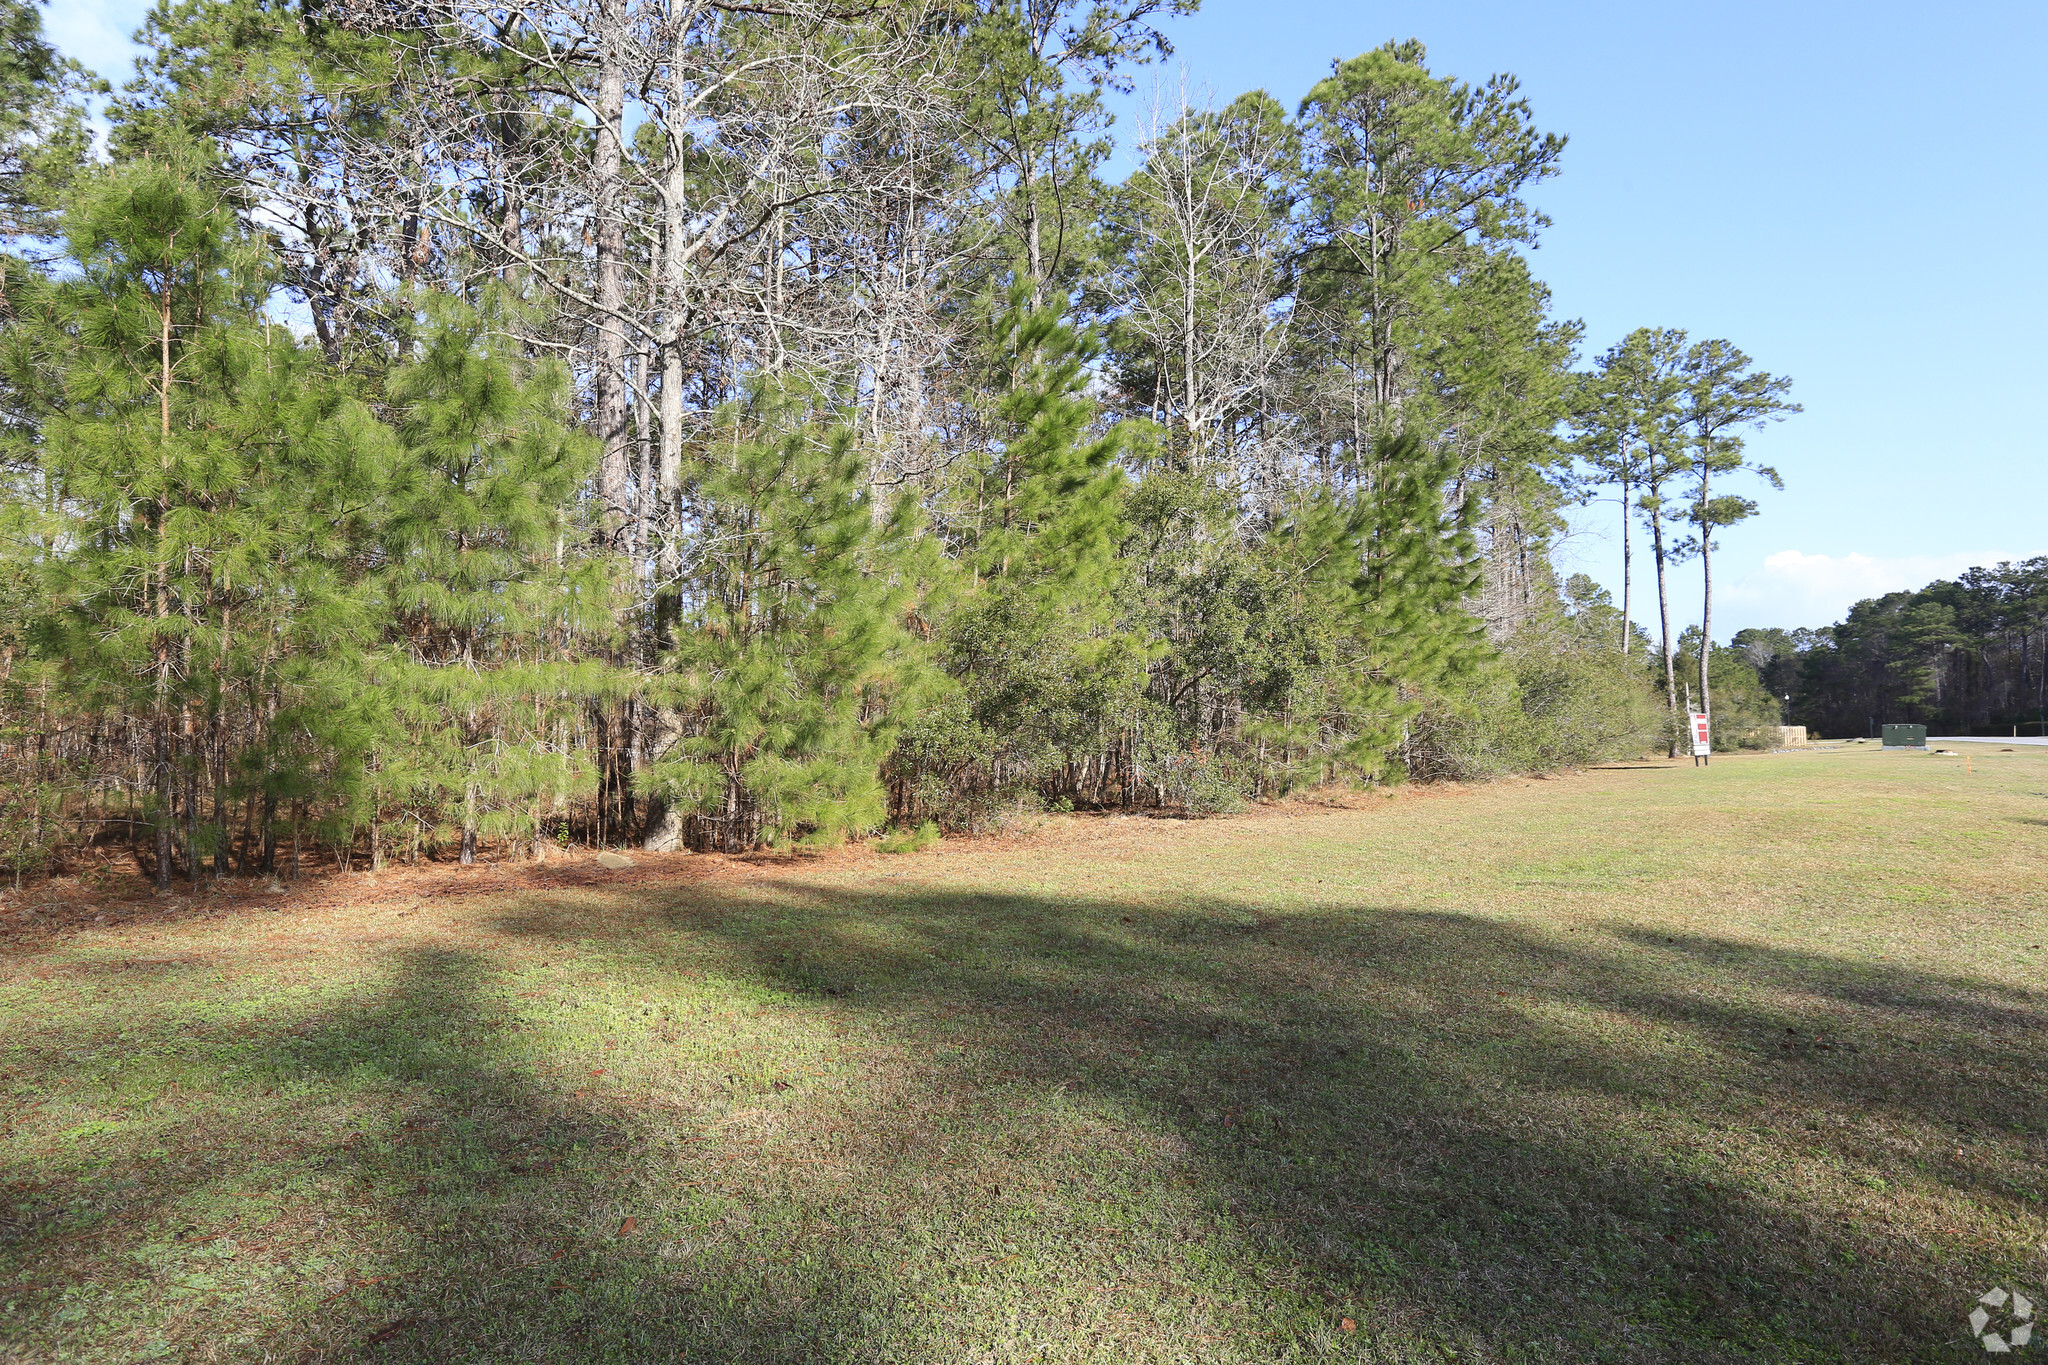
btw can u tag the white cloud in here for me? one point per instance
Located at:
(1792, 588)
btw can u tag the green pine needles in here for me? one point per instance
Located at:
(311, 622)
(488, 601)
(792, 666)
(818, 464)
(201, 496)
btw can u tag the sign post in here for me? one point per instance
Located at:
(1702, 744)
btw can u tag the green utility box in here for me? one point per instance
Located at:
(1905, 736)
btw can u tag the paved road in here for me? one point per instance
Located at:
(1985, 739)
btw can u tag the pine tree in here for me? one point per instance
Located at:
(1049, 522)
(1409, 621)
(1413, 182)
(44, 136)
(792, 668)
(202, 490)
(1393, 566)
(1718, 396)
(487, 594)
(1626, 416)
(1033, 638)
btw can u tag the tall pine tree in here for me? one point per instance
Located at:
(792, 667)
(489, 596)
(203, 492)
(1046, 670)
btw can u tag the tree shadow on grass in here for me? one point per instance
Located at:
(1463, 1134)
(550, 1226)
(913, 1125)
(429, 1193)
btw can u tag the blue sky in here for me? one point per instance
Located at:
(1851, 193)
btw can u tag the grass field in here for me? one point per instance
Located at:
(1651, 1063)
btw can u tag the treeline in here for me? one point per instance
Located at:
(437, 429)
(1968, 656)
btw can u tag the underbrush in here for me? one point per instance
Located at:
(910, 840)
(1554, 699)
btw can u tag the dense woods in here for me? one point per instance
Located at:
(1968, 657)
(445, 431)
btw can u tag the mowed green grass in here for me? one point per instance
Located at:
(1651, 1063)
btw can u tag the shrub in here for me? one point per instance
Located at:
(951, 769)
(1554, 698)
(911, 840)
(1204, 783)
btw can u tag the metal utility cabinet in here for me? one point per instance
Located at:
(1905, 736)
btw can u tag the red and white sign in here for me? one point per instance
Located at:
(1701, 744)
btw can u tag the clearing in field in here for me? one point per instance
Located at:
(1648, 1064)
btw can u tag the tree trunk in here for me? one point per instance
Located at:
(608, 381)
(195, 872)
(166, 788)
(1027, 166)
(164, 796)
(1707, 591)
(269, 864)
(1627, 635)
(1664, 623)
(663, 831)
(468, 854)
(608, 370)
(671, 293)
(643, 436)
